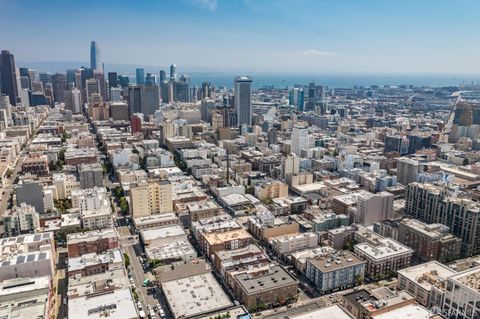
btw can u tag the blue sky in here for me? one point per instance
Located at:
(318, 36)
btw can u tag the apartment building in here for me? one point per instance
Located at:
(429, 241)
(335, 270)
(153, 196)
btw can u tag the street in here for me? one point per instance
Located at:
(148, 296)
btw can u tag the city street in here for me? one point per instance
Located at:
(132, 247)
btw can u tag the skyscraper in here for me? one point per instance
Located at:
(173, 72)
(8, 83)
(243, 99)
(163, 76)
(95, 57)
(140, 76)
(150, 79)
(134, 98)
(59, 83)
(300, 139)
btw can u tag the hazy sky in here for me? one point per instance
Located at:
(352, 36)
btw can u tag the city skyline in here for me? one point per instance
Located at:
(305, 36)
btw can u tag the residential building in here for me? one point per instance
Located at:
(20, 220)
(265, 287)
(429, 241)
(292, 242)
(383, 257)
(94, 241)
(153, 196)
(335, 271)
(421, 280)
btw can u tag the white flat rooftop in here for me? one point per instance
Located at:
(116, 305)
(195, 295)
(332, 312)
(410, 312)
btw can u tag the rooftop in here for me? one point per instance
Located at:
(409, 311)
(428, 274)
(332, 312)
(222, 237)
(195, 295)
(335, 260)
(162, 232)
(385, 248)
(92, 235)
(116, 304)
(270, 278)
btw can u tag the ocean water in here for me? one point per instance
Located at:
(333, 81)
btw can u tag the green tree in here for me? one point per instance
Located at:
(154, 263)
(124, 205)
(126, 259)
(9, 172)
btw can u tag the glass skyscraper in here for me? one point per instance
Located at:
(95, 57)
(140, 76)
(243, 99)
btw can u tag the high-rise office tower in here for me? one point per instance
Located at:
(243, 99)
(140, 76)
(112, 79)
(164, 88)
(173, 72)
(163, 76)
(59, 82)
(135, 98)
(181, 90)
(24, 79)
(150, 79)
(123, 81)
(296, 97)
(311, 97)
(95, 57)
(300, 139)
(150, 99)
(71, 76)
(8, 76)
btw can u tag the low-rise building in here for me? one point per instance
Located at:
(265, 287)
(384, 257)
(97, 219)
(95, 241)
(195, 295)
(93, 263)
(27, 256)
(335, 271)
(20, 220)
(227, 240)
(27, 298)
(286, 244)
(153, 221)
(420, 280)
